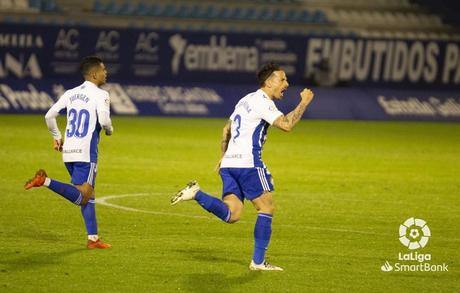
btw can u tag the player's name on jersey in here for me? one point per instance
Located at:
(245, 105)
(80, 97)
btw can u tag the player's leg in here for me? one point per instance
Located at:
(235, 205)
(81, 192)
(232, 195)
(228, 210)
(87, 179)
(68, 191)
(78, 172)
(88, 211)
(87, 192)
(208, 202)
(257, 187)
(262, 232)
(85, 174)
(37, 181)
(263, 226)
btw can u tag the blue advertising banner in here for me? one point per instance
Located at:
(34, 52)
(218, 100)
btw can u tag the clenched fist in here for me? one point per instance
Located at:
(307, 96)
(57, 144)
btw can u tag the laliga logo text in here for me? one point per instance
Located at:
(414, 234)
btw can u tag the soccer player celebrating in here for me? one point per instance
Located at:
(243, 173)
(88, 110)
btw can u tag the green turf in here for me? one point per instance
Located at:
(343, 189)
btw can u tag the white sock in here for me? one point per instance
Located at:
(93, 237)
(47, 182)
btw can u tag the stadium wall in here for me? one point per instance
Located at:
(179, 73)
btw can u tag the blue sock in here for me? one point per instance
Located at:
(262, 233)
(213, 205)
(68, 191)
(88, 212)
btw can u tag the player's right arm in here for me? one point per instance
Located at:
(51, 123)
(287, 122)
(226, 135)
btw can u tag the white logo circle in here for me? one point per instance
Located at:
(414, 233)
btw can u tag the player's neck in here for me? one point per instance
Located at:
(93, 82)
(268, 92)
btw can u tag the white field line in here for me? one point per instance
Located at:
(104, 201)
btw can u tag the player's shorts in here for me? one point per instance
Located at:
(249, 183)
(81, 172)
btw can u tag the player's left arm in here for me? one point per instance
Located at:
(103, 114)
(287, 122)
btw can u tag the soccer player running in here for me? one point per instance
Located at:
(243, 173)
(88, 110)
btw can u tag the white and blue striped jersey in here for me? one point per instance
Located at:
(251, 118)
(88, 108)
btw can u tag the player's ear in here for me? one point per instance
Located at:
(268, 82)
(94, 74)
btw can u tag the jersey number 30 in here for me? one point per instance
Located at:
(78, 123)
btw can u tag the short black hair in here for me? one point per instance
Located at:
(88, 63)
(266, 71)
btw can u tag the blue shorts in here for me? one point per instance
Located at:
(249, 183)
(81, 172)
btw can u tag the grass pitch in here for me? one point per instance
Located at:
(342, 190)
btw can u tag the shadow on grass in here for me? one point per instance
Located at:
(35, 260)
(217, 282)
(48, 236)
(208, 255)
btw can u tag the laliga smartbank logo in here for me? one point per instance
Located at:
(414, 234)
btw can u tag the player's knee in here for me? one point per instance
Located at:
(86, 196)
(233, 219)
(86, 192)
(267, 209)
(235, 209)
(235, 214)
(271, 210)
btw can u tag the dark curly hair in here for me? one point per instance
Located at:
(265, 71)
(88, 63)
